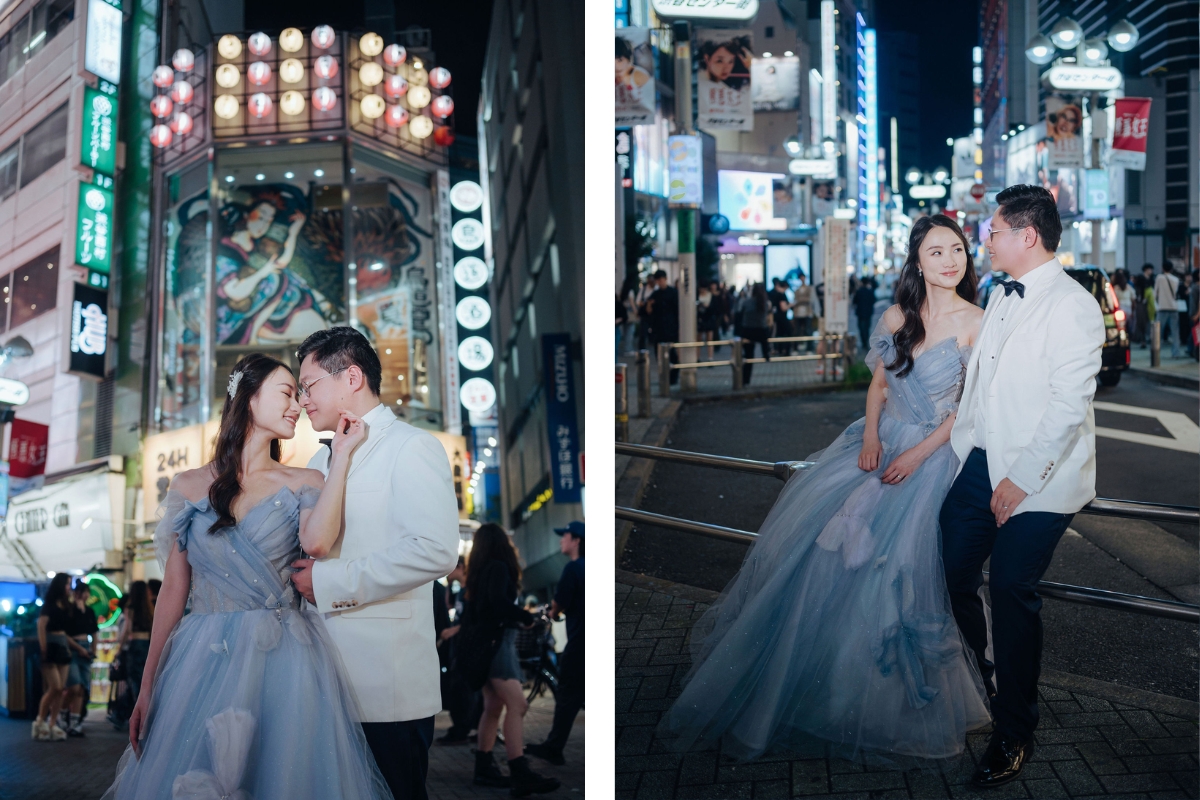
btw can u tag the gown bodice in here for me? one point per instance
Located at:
(931, 390)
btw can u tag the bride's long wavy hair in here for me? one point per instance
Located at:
(237, 420)
(910, 289)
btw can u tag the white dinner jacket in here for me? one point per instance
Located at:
(1037, 402)
(399, 534)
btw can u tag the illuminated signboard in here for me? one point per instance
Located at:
(730, 10)
(89, 331)
(98, 141)
(94, 226)
(102, 51)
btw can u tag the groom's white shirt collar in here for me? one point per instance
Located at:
(1040, 275)
(375, 414)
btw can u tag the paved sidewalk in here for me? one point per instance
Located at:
(1094, 739)
(82, 769)
(1174, 371)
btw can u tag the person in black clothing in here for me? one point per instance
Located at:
(754, 324)
(82, 630)
(464, 704)
(55, 646)
(568, 600)
(779, 312)
(663, 310)
(864, 309)
(490, 625)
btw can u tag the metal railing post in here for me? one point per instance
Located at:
(738, 358)
(826, 367)
(664, 370)
(643, 383)
(1156, 342)
(622, 404)
(849, 353)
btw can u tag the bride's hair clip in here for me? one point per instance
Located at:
(234, 379)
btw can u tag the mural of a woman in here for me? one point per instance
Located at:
(260, 300)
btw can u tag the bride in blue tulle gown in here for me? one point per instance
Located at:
(837, 630)
(245, 696)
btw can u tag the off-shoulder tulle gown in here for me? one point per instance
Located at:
(838, 628)
(250, 700)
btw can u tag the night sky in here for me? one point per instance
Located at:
(460, 31)
(947, 30)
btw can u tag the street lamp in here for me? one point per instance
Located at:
(941, 174)
(1123, 36)
(913, 176)
(793, 146)
(1094, 52)
(1066, 33)
(1040, 49)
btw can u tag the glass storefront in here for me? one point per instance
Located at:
(255, 259)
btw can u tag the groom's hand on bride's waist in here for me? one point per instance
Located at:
(1005, 500)
(302, 578)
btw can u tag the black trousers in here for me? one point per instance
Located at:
(402, 752)
(749, 337)
(569, 699)
(1020, 553)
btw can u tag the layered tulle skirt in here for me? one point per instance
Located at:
(838, 627)
(251, 705)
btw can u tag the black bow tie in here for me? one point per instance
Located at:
(1011, 286)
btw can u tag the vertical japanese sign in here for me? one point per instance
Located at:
(94, 226)
(634, 77)
(558, 377)
(723, 96)
(1129, 133)
(102, 50)
(835, 238)
(685, 171)
(98, 142)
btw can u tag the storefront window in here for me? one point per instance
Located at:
(34, 288)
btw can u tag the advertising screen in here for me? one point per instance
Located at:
(788, 262)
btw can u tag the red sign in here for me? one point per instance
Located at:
(27, 448)
(1129, 132)
(978, 191)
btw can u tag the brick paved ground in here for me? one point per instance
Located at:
(1096, 743)
(82, 769)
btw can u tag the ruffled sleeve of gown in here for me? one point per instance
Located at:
(883, 347)
(174, 523)
(308, 496)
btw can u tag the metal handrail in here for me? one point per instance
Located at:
(1085, 595)
(1101, 506)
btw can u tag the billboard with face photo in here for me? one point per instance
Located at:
(634, 77)
(723, 93)
(1064, 123)
(776, 83)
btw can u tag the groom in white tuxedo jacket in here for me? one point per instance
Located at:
(399, 534)
(1026, 444)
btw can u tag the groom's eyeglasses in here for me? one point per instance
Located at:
(990, 235)
(306, 387)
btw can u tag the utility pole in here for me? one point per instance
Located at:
(1099, 134)
(685, 217)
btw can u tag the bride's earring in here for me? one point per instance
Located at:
(919, 273)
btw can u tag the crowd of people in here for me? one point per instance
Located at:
(1170, 298)
(648, 315)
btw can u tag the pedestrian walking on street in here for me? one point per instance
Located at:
(1182, 307)
(837, 631)
(864, 310)
(803, 300)
(464, 703)
(134, 640)
(1166, 290)
(490, 637)
(780, 308)
(1025, 443)
(1146, 309)
(754, 321)
(82, 630)
(55, 650)
(568, 600)
(663, 310)
(1194, 314)
(1126, 301)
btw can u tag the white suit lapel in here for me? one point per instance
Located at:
(374, 436)
(1026, 306)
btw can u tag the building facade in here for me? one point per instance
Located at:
(531, 161)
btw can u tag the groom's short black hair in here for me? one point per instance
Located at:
(341, 347)
(1030, 206)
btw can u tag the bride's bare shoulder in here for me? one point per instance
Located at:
(193, 483)
(973, 318)
(302, 476)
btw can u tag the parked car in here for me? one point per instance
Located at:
(1114, 359)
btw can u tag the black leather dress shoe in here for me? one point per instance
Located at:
(1003, 761)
